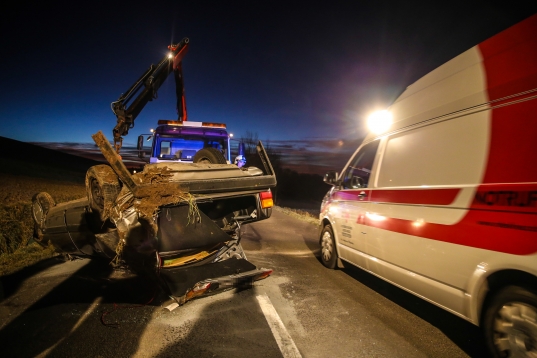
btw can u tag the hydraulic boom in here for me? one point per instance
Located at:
(130, 104)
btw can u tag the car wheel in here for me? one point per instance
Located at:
(41, 204)
(102, 188)
(209, 156)
(510, 323)
(328, 248)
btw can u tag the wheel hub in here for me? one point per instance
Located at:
(327, 247)
(516, 330)
(97, 194)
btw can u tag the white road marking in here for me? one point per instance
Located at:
(284, 340)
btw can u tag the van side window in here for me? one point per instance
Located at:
(452, 152)
(358, 172)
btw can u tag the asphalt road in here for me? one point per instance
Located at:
(82, 308)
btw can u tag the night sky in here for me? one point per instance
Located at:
(301, 74)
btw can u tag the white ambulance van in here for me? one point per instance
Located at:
(443, 203)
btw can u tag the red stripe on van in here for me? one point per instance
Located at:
(513, 144)
(415, 196)
(510, 59)
(404, 196)
(502, 217)
(497, 231)
(352, 195)
(510, 64)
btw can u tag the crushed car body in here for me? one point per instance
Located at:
(182, 219)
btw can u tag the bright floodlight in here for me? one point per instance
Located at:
(170, 55)
(379, 121)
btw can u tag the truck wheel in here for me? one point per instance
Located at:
(510, 323)
(210, 156)
(328, 248)
(102, 187)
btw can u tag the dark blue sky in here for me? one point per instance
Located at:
(286, 70)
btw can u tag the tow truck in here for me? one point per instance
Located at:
(173, 140)
(182, 215)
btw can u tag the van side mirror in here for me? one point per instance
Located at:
(330, 178)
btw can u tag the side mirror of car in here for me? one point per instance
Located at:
(331, 178)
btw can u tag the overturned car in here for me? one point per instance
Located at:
(182, 219)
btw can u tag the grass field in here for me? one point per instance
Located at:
(17, 249)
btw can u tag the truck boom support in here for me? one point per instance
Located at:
(128, 107)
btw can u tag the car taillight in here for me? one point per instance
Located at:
(263, 275)
(266, 199)
(198, 290)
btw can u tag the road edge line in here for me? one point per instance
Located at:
(283, 339)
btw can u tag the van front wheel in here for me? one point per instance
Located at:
(510, 323)
(328, 248)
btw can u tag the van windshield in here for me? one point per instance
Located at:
(184, 147)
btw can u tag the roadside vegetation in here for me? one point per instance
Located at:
(299, 214)
(17, 248)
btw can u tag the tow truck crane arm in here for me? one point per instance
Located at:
(150, 81)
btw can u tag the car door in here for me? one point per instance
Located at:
(353, 198)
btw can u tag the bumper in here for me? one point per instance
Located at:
(185, 284)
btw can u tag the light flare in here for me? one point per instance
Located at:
(375, 217)
(380, 121)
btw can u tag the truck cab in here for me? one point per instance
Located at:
(179, 141)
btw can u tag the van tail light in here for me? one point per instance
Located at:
(266, 199)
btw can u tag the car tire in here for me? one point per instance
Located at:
(328, 248)
(209, 156)
(102, 188)
(510, 321)
(41, 205)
